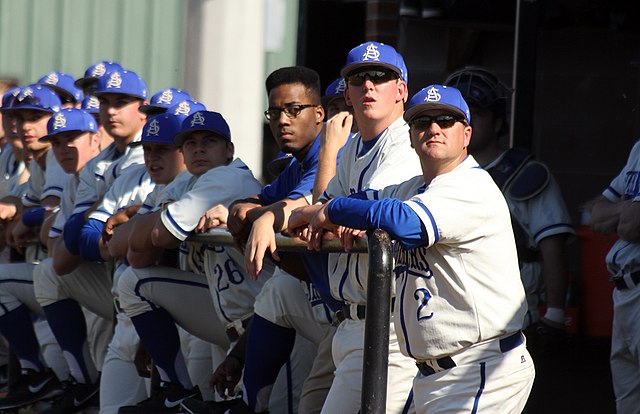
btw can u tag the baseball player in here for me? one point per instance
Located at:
(542, 222)
(90, 284)
(616, 211)
(459, 308)
(72, 133)
(295, 117)
(91, 104)
(120, 93)
(376, 89)
(150, 299)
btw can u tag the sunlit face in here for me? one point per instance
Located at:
(435, 143)
(295, 135)
(31, 125)
(163, 162)
(73, 149)
(120, 116)
(376, 101)
(204, 150)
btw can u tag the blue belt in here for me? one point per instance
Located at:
(506, 344)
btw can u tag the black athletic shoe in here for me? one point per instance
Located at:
(75, 398)
(31, 387)
(235, 406)
(164, 399)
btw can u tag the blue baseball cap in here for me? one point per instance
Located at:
(37, 97)
(186, 108)
(160, 129)
(437, 97)
(125, 82)
(374, 54)
(91, 104)
(163, 100)
(95, 71)
(62, 84)
(70, 119)
(334, 90)
(203, 121)
(8, 98)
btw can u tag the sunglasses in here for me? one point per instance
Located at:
(375, 76)
(443, 121)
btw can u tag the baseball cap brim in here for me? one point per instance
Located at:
(181, 137)
(84, 83)
(49, 137)
(414, 111)
(152, 109)
(358, 65)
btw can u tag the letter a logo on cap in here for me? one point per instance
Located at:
(166, 97)
(59, 121)
(371, 53)
(432, 95)
(52, 79)
(154, 128)
(115, 80)
(98, 70)
(183, 108)
(197, 119)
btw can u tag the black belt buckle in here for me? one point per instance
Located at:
(622, 284)
(435, 366)
(510, 342)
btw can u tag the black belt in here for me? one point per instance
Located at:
(361, 312)
(441, 364)
(232, 332)
(622, 284)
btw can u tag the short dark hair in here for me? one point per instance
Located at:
(296, 74)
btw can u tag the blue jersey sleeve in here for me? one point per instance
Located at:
(71, 232)
(389, 214)
(89, 240)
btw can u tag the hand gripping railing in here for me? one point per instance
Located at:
(376, 331)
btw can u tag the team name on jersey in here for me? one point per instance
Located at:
(632, 185)
(413, 262)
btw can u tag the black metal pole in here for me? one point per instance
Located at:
(524, 74)
(376, 331)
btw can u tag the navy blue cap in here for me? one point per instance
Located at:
(204, 121)
(125, 82)
(437, 97)
(70, 119)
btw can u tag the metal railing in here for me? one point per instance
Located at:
(376, 333)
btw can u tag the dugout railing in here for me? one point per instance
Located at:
(378, 310)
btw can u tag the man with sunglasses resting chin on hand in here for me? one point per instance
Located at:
(377, 156)
(460, 302)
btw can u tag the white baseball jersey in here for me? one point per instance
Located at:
(67, 204)
(10, 171)
(463, 287)
(101, 172)
(391, 160)
(44, 182)
(232, 290)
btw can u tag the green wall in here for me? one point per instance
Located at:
(146, 36)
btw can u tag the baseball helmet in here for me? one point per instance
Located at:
(482, 88)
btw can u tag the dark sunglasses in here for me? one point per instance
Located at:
(375, 76)
(443, 121)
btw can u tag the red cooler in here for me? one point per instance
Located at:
(596, 303)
